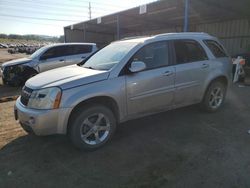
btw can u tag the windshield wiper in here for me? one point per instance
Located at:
(90, 68)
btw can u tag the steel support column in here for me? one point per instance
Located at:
(186, 20)
(117, 27)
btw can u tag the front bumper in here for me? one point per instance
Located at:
(42, 122)
(8, 78)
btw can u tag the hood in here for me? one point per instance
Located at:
(16, 62)
(66, 77)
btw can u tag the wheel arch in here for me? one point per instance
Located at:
(220, 78)
(106, 101)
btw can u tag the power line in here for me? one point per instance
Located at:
(50, 19)
(65, 8)
(96, 11)
(38, 18)
(56, 4)
(110, 4)
(32, 22)
(42, 12)
(105, 4)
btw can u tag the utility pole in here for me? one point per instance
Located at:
(89, 10)
(186, 20)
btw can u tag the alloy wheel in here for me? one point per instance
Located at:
(95, 129)
(216, 98)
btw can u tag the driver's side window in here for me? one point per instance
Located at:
(50, 53)
(154, 55)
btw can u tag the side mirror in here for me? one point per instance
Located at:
(137, 66)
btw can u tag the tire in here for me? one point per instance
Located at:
(91, 128)
(214, 96)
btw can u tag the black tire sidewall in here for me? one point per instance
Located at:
(79, 116)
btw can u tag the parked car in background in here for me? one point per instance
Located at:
(16, 72)
(127, 79)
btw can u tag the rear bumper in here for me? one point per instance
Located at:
(42, 122)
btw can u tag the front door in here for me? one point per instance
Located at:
(53, 58)
(152, 89)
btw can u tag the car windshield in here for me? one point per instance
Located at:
(109, 56)
(38, 52)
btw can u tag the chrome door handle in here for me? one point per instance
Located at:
(204, 66)
(167, 73)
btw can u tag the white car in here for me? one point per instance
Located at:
(16, 72)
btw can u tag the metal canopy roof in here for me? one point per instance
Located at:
(166, 14)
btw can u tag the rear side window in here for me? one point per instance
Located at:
(153, 55)
(81, 49)
(187, 51)
(215, 48)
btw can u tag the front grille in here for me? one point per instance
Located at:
(11, 71)
(6, 72)
(25, 95)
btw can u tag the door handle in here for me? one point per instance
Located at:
(167, 73)
(83, 57)
(204, 66)
(62, 60)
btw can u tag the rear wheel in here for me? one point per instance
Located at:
(214, 96)
(92, 127)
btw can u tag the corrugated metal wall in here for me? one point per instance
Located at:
(100, 39)
(234, 34)
(73, 35)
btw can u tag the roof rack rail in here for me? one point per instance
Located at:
(135, 37)
(182, 33)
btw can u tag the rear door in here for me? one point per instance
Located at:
(152, 89)
(78, 53)
(192, 69)
(53, 58)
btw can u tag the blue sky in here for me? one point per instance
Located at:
(48, 17)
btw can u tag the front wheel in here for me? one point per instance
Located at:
(92, 127)
(214, 96)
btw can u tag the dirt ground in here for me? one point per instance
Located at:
(180, 148)
(5, 56)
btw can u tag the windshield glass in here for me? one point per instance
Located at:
(38, 52)
(109, 56)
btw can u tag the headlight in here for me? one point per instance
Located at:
(48, 98)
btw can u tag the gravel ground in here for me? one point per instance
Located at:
(5, 56)
(181, 148)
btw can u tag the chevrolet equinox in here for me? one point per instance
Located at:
(127, 79)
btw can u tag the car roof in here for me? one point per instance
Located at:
(181, 35)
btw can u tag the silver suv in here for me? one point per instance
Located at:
(127, 79)
(16, 72)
